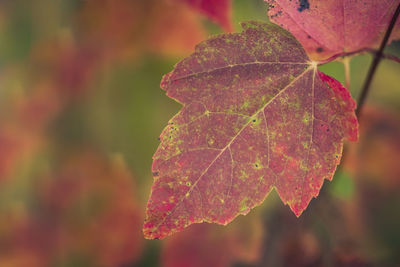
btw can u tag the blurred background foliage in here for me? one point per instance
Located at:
(80, 114)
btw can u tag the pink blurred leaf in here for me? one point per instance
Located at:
(217, 10)
(87, 208)
(330, 27)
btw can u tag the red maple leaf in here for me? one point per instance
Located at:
(257, 115)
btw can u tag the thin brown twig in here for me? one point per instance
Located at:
(375, 63)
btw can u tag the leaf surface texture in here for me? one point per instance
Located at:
(257, 115)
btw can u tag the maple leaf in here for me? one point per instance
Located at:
(330, 27)
(257, 115)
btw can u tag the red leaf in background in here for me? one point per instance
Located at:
(86, 209)
(22, 126)
(217, 10)
(10, 148)
(125, 29)
(61, 70)
(257, 115)
(175, 29)
(329, 27)
(61, 74)
(93, 203)
(239, 242)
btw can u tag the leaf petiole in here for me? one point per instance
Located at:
(346, 64)
(356, 53)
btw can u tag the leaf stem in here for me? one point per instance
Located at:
(375, 62)
(346, 64)
(357, 52)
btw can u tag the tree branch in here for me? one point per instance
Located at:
(375, 62)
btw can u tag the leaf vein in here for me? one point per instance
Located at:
(236, 65)
(229, 144)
